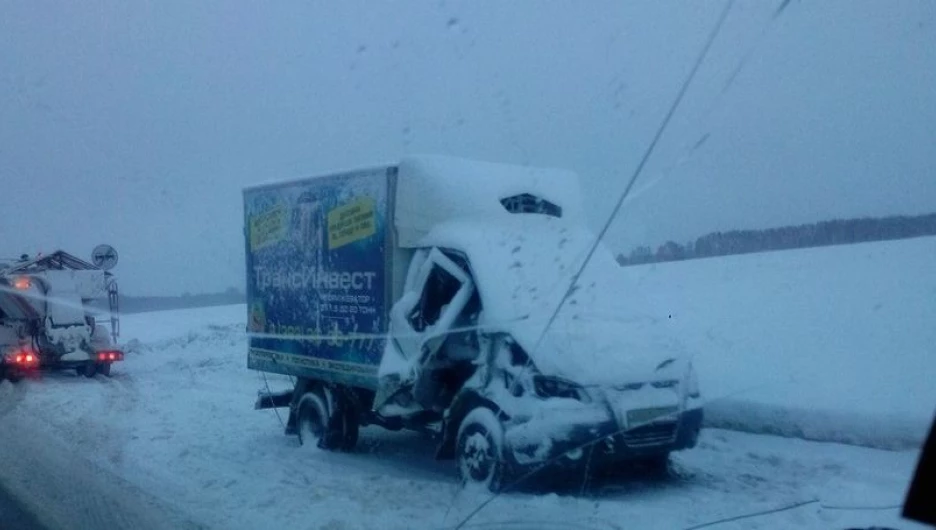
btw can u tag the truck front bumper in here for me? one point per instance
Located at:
(608, 443)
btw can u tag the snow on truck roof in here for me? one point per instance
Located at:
(432, 189)
(523, 265)
(59, 259)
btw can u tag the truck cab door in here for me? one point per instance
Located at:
(436, 292)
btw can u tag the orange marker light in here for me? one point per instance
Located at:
(22, 283)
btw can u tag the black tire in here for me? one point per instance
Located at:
(14, 377)
(89, 370)
(655, 466)
(316, 424)
(104, 369)
(479, 450)
(350, 426)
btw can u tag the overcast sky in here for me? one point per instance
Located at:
(138, 124)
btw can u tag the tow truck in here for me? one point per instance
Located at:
(51, 309)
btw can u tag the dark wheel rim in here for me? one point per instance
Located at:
(477, 454)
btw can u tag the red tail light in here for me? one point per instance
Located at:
(110, 355)
(24, 358)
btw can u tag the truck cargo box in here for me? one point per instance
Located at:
(319, 275)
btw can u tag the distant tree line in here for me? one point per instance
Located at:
(834, 232)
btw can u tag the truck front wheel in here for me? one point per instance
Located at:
(479, 450)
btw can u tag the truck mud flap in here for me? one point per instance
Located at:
(273, 400)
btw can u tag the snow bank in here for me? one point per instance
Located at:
(833, 343)
(151, 327)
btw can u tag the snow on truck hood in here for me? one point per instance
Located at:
(606, 333)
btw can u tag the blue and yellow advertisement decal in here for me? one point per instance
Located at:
(317, 276)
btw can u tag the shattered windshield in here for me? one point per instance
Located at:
(466, 264)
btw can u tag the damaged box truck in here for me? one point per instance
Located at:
(422, 296)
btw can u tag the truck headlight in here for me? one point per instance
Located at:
(554, 387)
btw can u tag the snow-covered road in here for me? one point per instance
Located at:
(171, 441)
(13, 515)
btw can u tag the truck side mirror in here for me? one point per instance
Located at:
(416, 320)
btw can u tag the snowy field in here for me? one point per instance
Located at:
(172, 441)
(832, 344)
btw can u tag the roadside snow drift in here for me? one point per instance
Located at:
(833, 343)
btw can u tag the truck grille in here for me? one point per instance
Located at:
(651, 435)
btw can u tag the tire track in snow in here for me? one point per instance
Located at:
(91, 417)
(67, 490)
(119, 398)
(11, 395)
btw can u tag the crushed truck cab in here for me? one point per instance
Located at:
(598, 371)
(423, 295)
